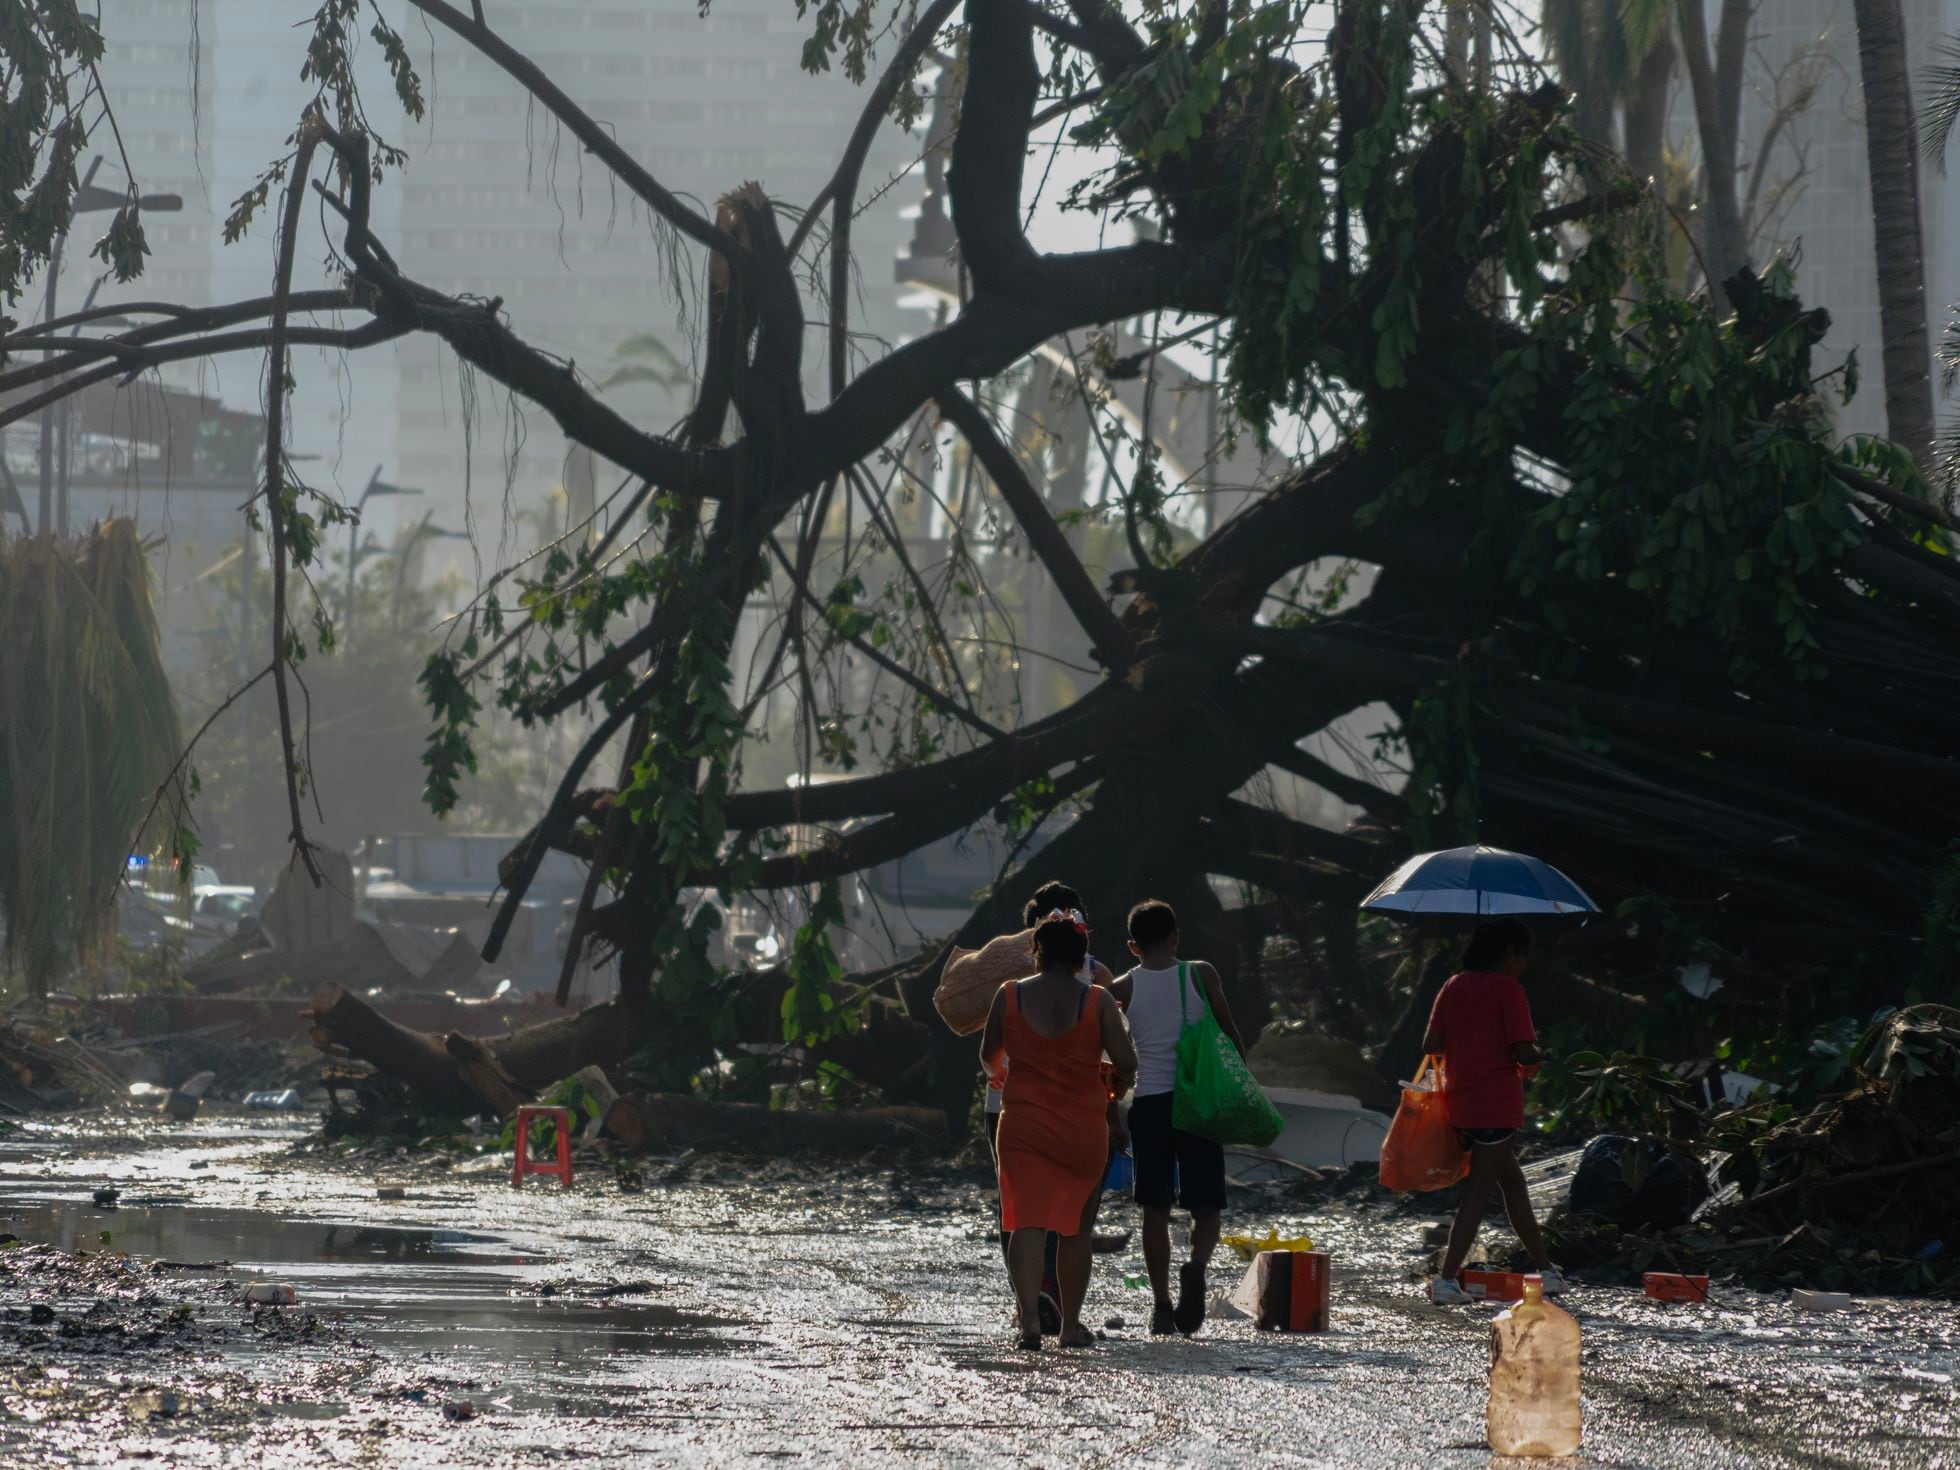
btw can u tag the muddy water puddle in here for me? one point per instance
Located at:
(496, 1317)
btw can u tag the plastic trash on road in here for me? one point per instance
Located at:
(270, 1294)
(1122, 1173)
(1820, 1301)
(1534, 1379)
(1248, 1247)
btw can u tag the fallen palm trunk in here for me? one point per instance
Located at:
(662, 1121)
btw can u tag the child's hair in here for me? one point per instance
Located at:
(1494, 941)
(1061, 943)
(1152, 922)
(1047, 898)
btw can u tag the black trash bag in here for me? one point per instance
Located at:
(1633, 1181)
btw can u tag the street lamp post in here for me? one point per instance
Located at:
(88, 198)
(375, 486)
(423, 531)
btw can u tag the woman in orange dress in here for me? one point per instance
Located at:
(1053, 1031)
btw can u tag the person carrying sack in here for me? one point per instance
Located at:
(1161, 995)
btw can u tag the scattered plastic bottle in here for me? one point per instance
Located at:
(1137, 1282)
(1534, 1378)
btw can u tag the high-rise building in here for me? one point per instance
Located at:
(497, 202)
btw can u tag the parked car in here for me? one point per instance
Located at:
(219, 907)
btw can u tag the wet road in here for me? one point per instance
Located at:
(831, 1317)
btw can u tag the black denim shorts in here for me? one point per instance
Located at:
(1173, 1167)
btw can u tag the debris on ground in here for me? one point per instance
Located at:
(1637, 1181)
(1856, 1192)
(658, 1122)
(188, 1096)
(1295, 1058)
(307, 936)
(41, 1066)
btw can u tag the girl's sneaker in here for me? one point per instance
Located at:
(1446, 1293)
(1553, 1280)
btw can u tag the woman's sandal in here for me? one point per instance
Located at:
(1082, 1339)
(1028, 1343)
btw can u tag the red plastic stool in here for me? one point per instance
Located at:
(562, 1121)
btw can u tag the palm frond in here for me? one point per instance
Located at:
(1642, 24)
(644, 358)
(1941, 85)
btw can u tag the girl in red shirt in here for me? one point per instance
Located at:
(1481, 1027)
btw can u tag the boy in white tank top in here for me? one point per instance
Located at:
(1162, 996)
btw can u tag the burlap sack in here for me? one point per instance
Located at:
(967, 984)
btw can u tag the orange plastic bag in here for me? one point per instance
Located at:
(1421, 1151)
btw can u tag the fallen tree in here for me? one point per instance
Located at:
(1628, 600)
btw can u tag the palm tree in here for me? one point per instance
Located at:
(1616, 54)
(88, 736)
(1892, 155)
(1941, 115)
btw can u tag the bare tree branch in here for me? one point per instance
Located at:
(840, 192)
(275, 477)
(1106, 632)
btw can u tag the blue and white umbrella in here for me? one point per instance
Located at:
(1480, 882)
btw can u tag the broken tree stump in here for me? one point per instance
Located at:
(345, 1024)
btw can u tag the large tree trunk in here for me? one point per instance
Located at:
(1891, 149)
(1645, 119)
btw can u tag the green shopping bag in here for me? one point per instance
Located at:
(1215, 1096)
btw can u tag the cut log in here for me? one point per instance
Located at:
(481, 1074)
(523, 1062)
(342, 1020)
(665, 1121)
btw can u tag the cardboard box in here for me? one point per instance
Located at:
(1670, 1286)
(1494, 1286)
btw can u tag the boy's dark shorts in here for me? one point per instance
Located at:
(1484, 1137)
(1173, 1167)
